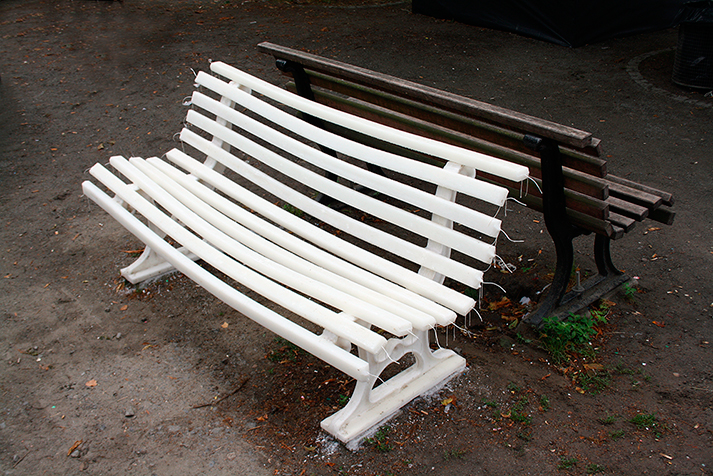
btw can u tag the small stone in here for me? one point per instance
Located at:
(676, 374)
(231, 456)
(118, 335)
(129, 414)
(75, 454)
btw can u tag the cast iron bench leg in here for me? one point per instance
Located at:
(557, 302)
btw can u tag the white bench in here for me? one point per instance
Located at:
(227, 211)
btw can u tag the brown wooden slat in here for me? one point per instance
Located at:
(563, 134)
(474, 128)
(582, 220)
(663, 215)
(622, 221)
(667, 198)
(628, 209)
(574, 180)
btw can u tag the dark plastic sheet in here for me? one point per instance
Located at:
(565, 22)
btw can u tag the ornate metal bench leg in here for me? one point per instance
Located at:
(558, 225)
(557, 303)
(372, 404)
(602, 256)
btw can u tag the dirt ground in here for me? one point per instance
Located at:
(98, 377)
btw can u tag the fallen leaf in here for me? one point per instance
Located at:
(659, 323)
(447, 401)
(74, 446)
(124, 307)
(224, 325)
(494, 306)
(91, 383)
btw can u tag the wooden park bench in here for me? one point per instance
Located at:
(574, 191)
(354, 268)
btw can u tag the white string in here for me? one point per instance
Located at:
(506, 266)
(510, 239)
(517, 201)
(496, 284)
(533, 181)
(435, 333)
(388, 356)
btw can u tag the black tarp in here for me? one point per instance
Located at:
(565, 22)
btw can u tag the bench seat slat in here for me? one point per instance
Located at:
(369, 303)
(306, 308)
(320, 347)
(439, 149)
(235, 270)
(224, 234)
(397, 163)
(467, 216)
(453, 269)
(421, 312)
(347, 251)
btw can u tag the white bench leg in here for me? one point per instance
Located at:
(370, 406)
(151, 266)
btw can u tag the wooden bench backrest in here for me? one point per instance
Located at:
(595, 200)
(306, 158)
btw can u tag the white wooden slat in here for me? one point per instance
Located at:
(276, 271)
(321, 348)
(306, 308)
(368, 305)
(448, 152)
(453, 269)
(479, 189)
(351, 253)
(421, 312)
(466, 216)
(468, 245)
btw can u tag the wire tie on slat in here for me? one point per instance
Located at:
(510, 239)
(533, 181)
(496, 284)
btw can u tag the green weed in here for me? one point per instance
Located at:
(570, 335)
(380, 440)
(489, 403)
(593, 468)
(544, 403)
(648, 422)
(594, 382)
(514, 388)
(287, 352)
(453, 454)
(567, 463)
(630, 292)
(291, 209)
(616, 434)
(608, 420)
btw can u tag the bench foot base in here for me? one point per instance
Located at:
(370, 407)
(150, 266)
(595, 288)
